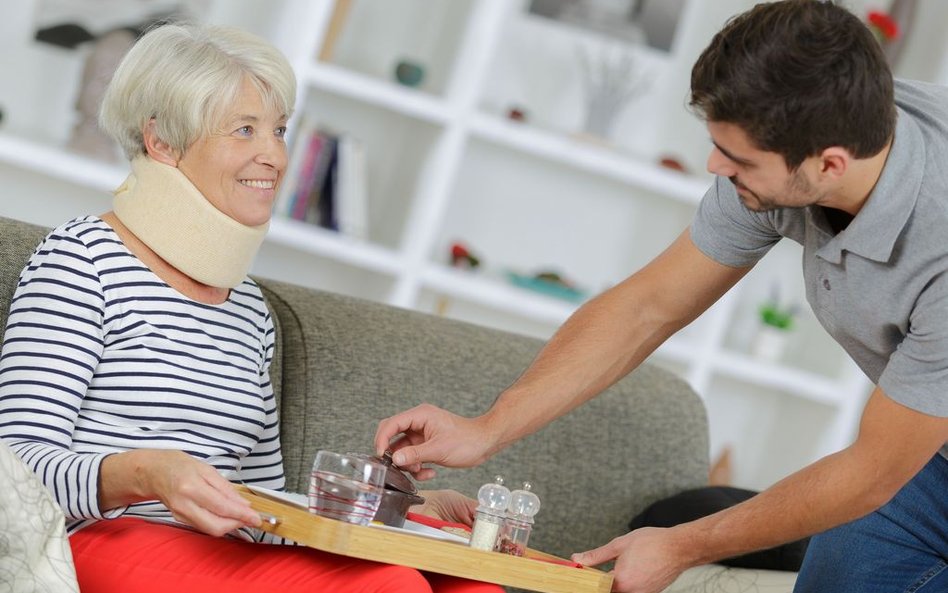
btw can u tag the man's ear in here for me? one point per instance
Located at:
(834, 162)
(157, 148)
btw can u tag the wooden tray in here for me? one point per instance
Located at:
(424, 553)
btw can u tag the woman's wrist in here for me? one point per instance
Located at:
(125, 478)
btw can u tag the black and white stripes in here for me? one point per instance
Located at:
(101, 356)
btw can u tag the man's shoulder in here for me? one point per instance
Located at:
(922, 98)
(903, 86)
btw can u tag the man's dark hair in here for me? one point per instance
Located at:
(798, 76)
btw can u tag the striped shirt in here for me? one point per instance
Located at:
(101, 356)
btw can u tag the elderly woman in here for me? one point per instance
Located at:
(134, 378)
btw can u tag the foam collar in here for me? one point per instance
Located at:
(161, 206)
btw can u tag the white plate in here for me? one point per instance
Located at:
(298, 500)
(412, 527)
(415, 528)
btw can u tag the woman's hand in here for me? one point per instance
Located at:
(447, 505)
(192, 490)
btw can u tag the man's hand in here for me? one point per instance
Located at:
(647, 559)
(893, 445)
(430, 434)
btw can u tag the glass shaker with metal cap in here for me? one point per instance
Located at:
(518, 524)
(493, 500)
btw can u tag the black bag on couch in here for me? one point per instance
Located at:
(694, 504)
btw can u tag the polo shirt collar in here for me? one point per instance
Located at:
(873, 232)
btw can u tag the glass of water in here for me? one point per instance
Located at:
(346, 487)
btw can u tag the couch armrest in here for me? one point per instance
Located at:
(19, 240)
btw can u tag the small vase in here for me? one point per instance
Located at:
(409, 73)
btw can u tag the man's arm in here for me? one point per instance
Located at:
(604, 340)
(893, 445)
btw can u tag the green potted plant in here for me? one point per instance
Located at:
(773, 315)
(776, 323)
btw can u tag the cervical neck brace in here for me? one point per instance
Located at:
(167, 212)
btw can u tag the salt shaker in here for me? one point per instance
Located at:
(519, 521)
(493, 500)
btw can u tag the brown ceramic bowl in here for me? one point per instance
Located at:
(400, 492)
(394, 507)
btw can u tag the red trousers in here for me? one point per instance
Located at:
(134, 556)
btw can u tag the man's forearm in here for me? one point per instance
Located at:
(817, 498)
(604, 340)
(834, 490)
(894, 444)
(610, 336)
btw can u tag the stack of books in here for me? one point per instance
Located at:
(325, 183)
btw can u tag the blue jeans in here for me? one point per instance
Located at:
(900, 548)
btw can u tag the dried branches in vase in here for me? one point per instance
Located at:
(611, 79)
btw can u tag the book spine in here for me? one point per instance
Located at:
(308, 171)
(351, 202)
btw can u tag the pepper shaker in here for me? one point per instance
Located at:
(518, 524)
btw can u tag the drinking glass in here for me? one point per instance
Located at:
(346, 487)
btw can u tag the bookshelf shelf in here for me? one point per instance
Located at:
(331, 244)
(60, 164)
(801, 383)
(584, 154)
(380, 93)
(492, 292)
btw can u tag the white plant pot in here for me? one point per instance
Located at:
(770, 343)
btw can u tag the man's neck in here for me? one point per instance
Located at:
(861, 178)
(837, 219)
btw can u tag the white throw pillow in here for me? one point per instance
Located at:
(34, 549)
(715, 578)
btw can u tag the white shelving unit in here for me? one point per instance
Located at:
(42, 158)
(446, 165)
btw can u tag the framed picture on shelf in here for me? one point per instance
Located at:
(649, 22)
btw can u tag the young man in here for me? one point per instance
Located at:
(811, 141)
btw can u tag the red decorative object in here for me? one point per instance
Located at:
(884, 26)
(459, 251)
(516, 114)
(461, 257)
(672, 163)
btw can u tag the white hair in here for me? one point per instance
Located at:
(185, 76)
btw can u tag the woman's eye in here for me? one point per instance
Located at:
(245, 131)
(281, 132)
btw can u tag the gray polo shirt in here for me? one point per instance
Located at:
(879, 287)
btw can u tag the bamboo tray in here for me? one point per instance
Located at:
(424, 553)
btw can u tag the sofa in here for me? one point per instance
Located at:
(342, 364)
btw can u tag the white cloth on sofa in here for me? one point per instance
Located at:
(34, 550)
(714, 578)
